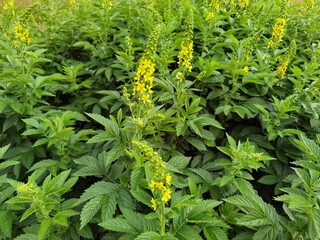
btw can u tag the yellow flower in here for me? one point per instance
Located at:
(144, 80)
(243, 3)
(185, 55)
(277, 31)
(246, 69)
(72, 2)
(160, 185)
(281, 70)
(21, 34)
(153, 204)
(152, 185)
(168, 179)
(166, 195)
(210, 16)
(8, 4)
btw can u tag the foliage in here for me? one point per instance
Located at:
(160, 119)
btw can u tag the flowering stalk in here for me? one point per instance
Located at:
(160, 182)
(281, 70)
(144, 76)
(186, 53)
(277, 32)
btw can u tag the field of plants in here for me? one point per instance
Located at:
(160, 120)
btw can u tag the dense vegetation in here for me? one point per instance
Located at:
(160, 119)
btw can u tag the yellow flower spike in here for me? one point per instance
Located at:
(160, 185)
(152, 185)
(168, 179)
(281, 70)
(185, 55)
(246, 69)
(166, 196)
(153, 204)
(277, 31)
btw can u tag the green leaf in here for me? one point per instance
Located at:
(108, 206)
(109, 125)
(28, 212)
(243, 185)
(40, 142)
(266, 233)
(136, 177)
(197, 143)
(8, 163)
(148, 236)
(44, 164)
(3, 150)
(61, 217)
(179, 162)
(309, 147)
(86, 232)
(90, 166)
(27, 236)
(208, 120)
(98, 189)
(215, 233)
(45, 228)
(142, 196)
(89, 210)
(115, 153)
(181, 128)
(189, 233)
(6, 223)
(204, 174)
(269, 179)
(118, 225)
(196, 127)
(101, 137)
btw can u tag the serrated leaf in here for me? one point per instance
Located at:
(118, 225)
(86, 232)
(265, 232)
(3, 150)
(208, 120)
(47, 163)
(101, 137)
(45, 228)
(61, 217)
(197, 143)
(40, 142)
(149, 236)
(89, 210)
(179, 162)
(197, 129)
(204, 174)
(115, 153)
(8, 163)
(27, 236)
(215, 233)
(108, 206)
(6, 223)
(189, 233)
(98, 189)
(136, 177)
(181, 128)
(109, 125)
(28, 212)
(142, 196)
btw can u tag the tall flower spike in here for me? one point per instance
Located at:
(144, 75)
(277, 32)
(186, 53)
